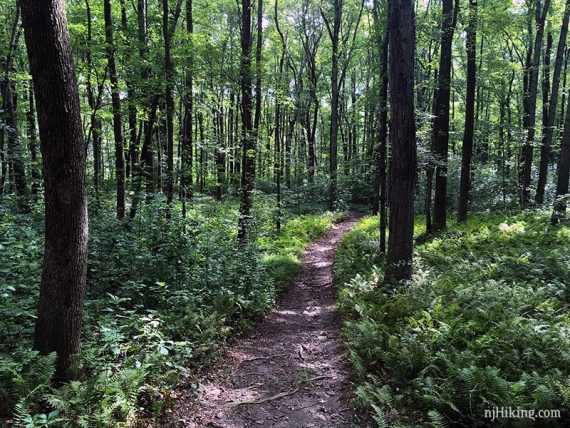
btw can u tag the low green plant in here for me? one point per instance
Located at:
(483, 324)
(163, 295)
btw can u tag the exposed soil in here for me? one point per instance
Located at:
(292, 370)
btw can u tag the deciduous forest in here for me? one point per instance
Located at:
(284, 213)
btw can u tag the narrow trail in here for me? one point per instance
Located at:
(292, 370)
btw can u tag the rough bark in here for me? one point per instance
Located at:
(116, 106)
(441, 121)
(403, 138)
(530, 111)
(248, 140)
(187, 135)
(548, 128)
(60, 307)
(563, 173)
(467, 148)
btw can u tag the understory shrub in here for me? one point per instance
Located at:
(163, 294)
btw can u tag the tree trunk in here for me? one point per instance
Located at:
(334, 33)
(169, 74)
(467, 149)
(248, 140)
(15, 151)
(530, 113)
(187, 135)
(563, 173)
(548, 128)
(382, 127)
(403, 138)
(441, 121)
(33, 141)
(116, 105)
(60, 307)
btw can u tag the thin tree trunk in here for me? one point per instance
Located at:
(563, 173)
(550, 111)
(117, 116)
(441, 121)
(33, 141)
(467, 149)
(248, 139)
(187, 136)
(530, 114)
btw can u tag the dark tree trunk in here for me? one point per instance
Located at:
(550, 111)
(96, 128)
(258, 69)
(169, 74)
(467, 149)
(334, 34)
(60, 307)
(15, 151)
(33, 141)
(382, 128)
(117, 116)
(187, 135)
(248, 140)
(144, 167)
(530, 111)
(441, 121)
(563, 173)
(403, 138)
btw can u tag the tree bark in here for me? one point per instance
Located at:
(169, 74)
(441, 121)
(60, 307)
(467, 148)
(403, 138)
(187, 135)
(530, 113)
(548, 128)
(563, 173)
(116, 105)
(248, 139)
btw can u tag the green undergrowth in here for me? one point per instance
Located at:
(162, 297)
(483, 324)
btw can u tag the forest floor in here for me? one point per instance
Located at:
(291, 371)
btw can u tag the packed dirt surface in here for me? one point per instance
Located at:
(292, 370)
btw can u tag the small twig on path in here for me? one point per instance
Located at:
(312, 379)
(273, 397)
(263, 358)
(310, 405)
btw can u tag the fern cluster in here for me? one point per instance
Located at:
(484, 323)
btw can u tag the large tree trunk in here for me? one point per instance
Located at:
(248, 140)
(548, 128)
(116, 105)
(467, 149)
(60, 308)
(403, 138)
(530, 111)
(441, 121)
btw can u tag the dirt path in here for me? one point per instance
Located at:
(291, 371)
